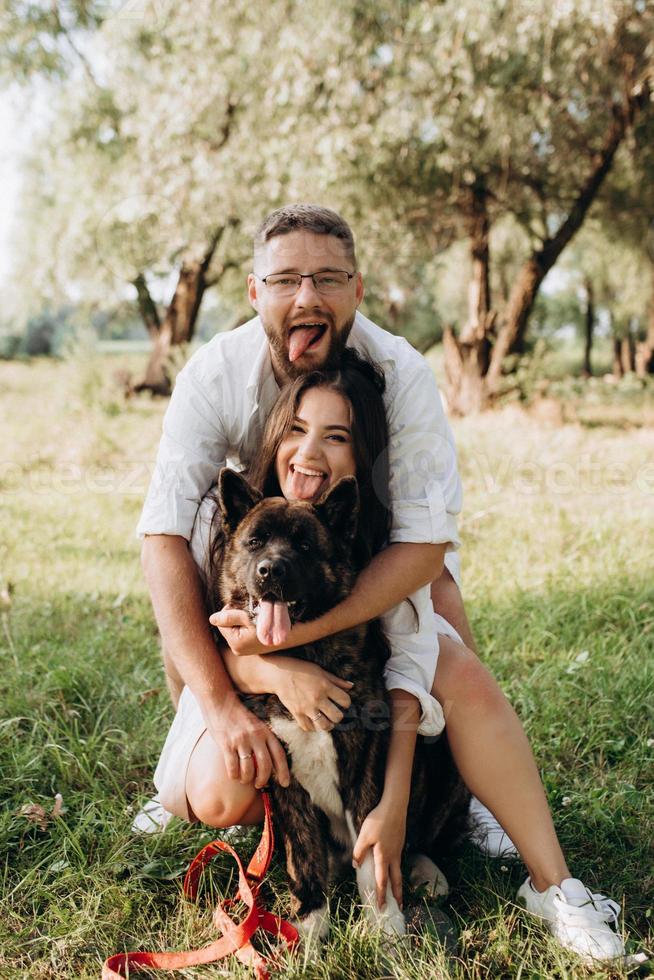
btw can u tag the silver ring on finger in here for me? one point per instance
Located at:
(244, 757)
(319, 715)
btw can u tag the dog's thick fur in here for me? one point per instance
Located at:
(337, 777)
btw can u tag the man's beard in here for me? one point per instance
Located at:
(292, 370)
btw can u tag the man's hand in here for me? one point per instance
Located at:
(252, 752)
(239, 632)
(383, 830)
(312, 695)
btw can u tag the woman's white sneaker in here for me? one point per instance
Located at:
(152, 818)
(487, 834)
(583, 922)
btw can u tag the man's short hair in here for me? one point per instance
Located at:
(305, 217)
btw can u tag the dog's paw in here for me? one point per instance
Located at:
(423, 873)
(389, 920)
(314, 927)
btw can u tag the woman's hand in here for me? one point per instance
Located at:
(239, 632)
(315, 698)
(383, 830)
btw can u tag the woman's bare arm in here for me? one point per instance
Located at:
(384, 829)
(306, 689)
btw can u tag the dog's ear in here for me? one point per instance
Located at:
(235, 497)
(338, 508)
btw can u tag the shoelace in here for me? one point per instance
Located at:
(598, 907)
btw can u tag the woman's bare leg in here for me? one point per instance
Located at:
(447, 600)
(213, 797)
(495, 760)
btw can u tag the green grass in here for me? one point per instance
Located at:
(558, 580)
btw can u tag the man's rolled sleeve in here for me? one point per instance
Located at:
(425, 487)
(192, 450)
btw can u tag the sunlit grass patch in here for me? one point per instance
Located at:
(557, 568)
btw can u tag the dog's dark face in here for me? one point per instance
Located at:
(286, 560)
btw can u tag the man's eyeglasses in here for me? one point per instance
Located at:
(288, 283)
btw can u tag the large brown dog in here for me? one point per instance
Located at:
(292, 561)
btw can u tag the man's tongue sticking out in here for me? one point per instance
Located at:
(300, 338)
(273, 622)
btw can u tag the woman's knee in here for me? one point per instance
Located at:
(462, 679)
(214, 798)
(220, 809)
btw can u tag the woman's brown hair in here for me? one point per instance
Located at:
(362, 385)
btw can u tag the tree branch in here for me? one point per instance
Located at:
(226, 128)
(147, 306)
(209, 252)
(213, 280)
(81, 57)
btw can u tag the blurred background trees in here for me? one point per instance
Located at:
(475, 147)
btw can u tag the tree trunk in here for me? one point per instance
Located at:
(525, 289)
(467, 356)
(616, 368)
(628, 352)
(179, 321)
(177, 328)
(587, 369)
(645, 348)
(147, 306)
(645, 352)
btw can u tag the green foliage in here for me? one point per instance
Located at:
(45, 335)
(10, 344)
(554, 312)
(392, 112)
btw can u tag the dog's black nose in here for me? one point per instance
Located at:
(272, 569)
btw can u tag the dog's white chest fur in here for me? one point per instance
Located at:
(313, 762)
(314, 765)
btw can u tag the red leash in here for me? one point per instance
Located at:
(235, 936)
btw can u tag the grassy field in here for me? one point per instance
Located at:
(557, 559)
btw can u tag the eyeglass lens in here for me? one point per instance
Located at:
(324, 282)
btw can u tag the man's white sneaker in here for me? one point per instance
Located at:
(581, 921)
(488, 835)
(151, 818)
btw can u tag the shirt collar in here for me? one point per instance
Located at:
(261, 374)
(361, 341)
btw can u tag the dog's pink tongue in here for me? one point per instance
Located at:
(273, 622)
(299, 340)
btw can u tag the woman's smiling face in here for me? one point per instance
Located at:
(318, 450)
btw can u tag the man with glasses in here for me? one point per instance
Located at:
(306, 290)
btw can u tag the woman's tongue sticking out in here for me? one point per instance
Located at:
(318, 450)
(304, 483)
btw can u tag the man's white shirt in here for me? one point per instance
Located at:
(216, 417)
